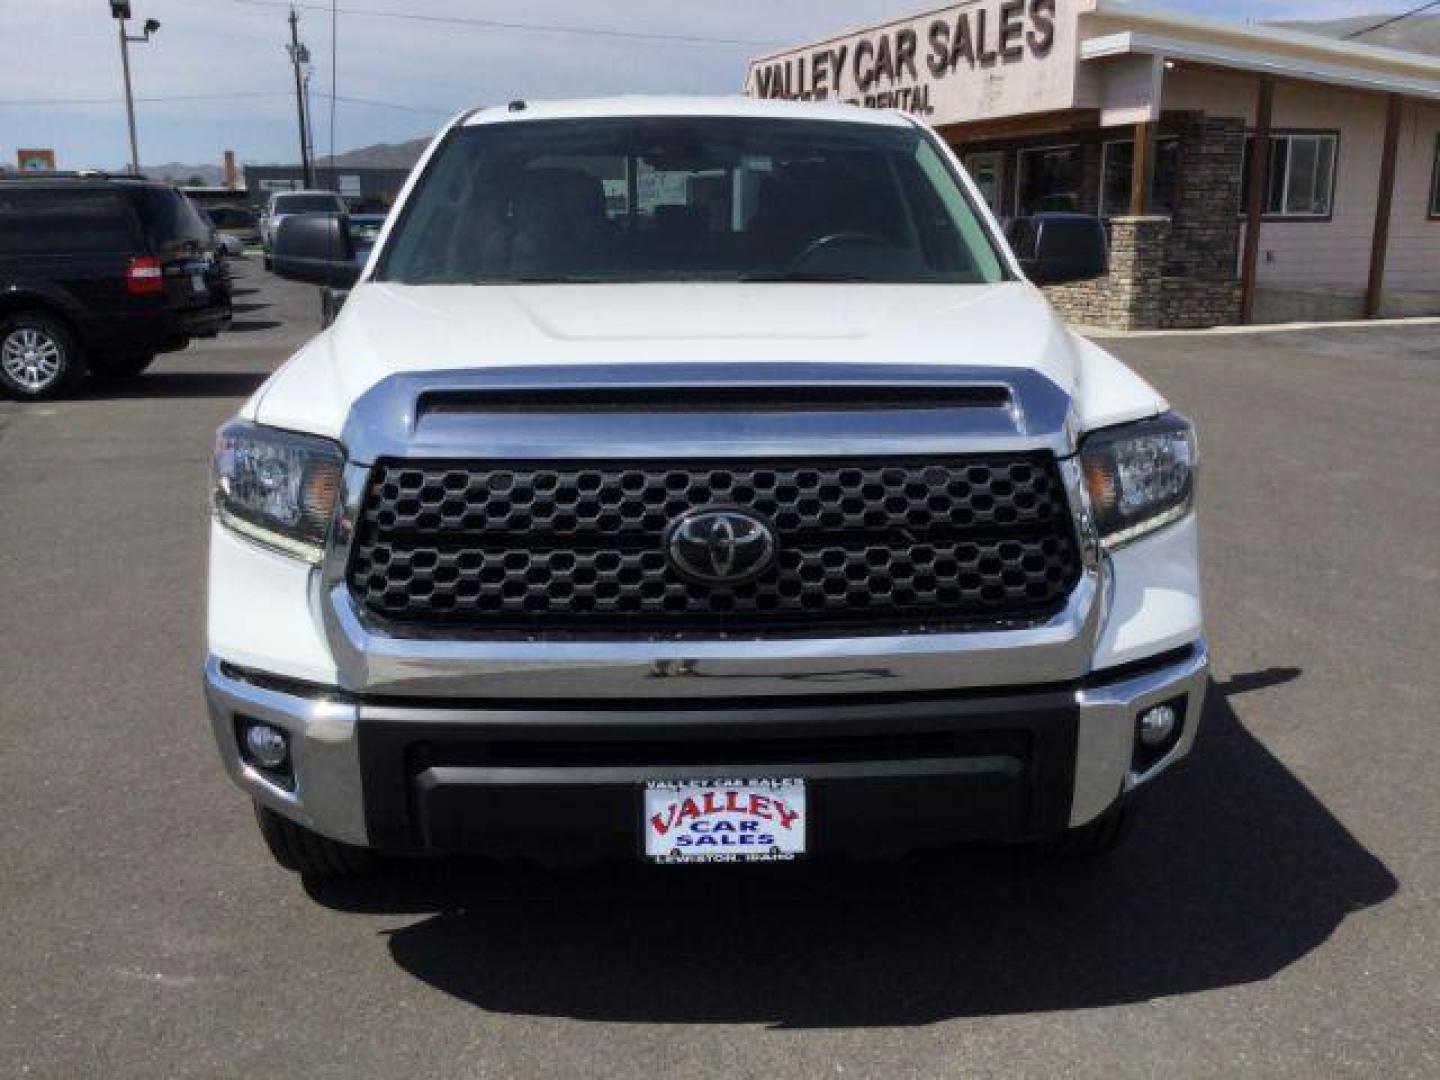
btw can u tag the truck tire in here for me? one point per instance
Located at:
(1105, 834)
(119, 367)
(308, 853)
(40, 357)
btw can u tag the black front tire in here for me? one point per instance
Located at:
(308, 853)
(40, 357)
(1104, 835)
(119, 367)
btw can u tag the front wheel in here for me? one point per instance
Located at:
(39, 356)
(308, 853)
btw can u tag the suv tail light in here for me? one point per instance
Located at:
(144, 276)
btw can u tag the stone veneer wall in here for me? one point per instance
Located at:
(1131, 296)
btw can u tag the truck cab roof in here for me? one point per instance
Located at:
(716, 105)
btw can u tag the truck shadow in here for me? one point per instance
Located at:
(1236, 872)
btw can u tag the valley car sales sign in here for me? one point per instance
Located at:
(973, 61)
(724, 820)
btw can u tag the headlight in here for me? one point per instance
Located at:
(277, 487)
(1141, 477)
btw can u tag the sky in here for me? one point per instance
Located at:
(217, 74)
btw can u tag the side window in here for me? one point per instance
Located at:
(170, 218)
(78, 222)
(1118, 168)
(1435, 182)
(1302, 174)
(1048, 179)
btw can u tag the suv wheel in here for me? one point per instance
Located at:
(39, 356)
(120, 367)
(308, 853)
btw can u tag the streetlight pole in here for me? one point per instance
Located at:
(129, 100)
(120, 11)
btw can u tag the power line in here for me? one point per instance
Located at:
(425, 109)
(159, 100)
(171, 99)
(1393, 20)
(497, 24)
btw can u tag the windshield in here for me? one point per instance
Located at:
(688, 199)
(307, 204)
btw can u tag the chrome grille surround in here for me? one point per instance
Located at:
(384, 657)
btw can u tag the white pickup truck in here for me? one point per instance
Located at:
(698, 480)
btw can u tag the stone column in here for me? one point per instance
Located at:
(1202, 287)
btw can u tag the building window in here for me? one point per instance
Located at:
(1119, 166)
(1302, 175)
(1047, 178)
(1435, 182)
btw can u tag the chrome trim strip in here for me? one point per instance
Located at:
(686, 670)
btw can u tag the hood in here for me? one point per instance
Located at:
(385, 329)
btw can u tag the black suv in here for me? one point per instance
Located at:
(100, 274)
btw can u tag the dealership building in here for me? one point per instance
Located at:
(1151, 120)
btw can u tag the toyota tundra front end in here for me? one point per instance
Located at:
(700, 481)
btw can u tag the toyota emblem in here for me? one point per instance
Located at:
(719, 546)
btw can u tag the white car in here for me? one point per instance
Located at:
(700, 480)
(284, 203)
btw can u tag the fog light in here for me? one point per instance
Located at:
(1158, 725)
(268, 747)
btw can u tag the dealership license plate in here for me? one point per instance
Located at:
(717, 820)
(197, 283)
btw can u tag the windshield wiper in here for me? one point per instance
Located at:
(539, 279)
(810, 276)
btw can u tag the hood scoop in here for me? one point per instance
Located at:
(688, 411)
(822, 397)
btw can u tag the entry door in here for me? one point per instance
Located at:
(987, 170)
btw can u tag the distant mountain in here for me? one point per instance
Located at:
(380, 156)
(1419, 33)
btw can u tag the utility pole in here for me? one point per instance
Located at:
(120, 11)
(300, 55)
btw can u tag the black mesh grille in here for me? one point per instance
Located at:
(579, 549)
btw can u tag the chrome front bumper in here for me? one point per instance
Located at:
(328, 793)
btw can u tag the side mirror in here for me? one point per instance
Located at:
(316, 249)
(1056, 248)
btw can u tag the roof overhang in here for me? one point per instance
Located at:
(1260, 61)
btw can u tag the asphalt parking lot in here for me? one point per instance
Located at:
(1278, 914)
